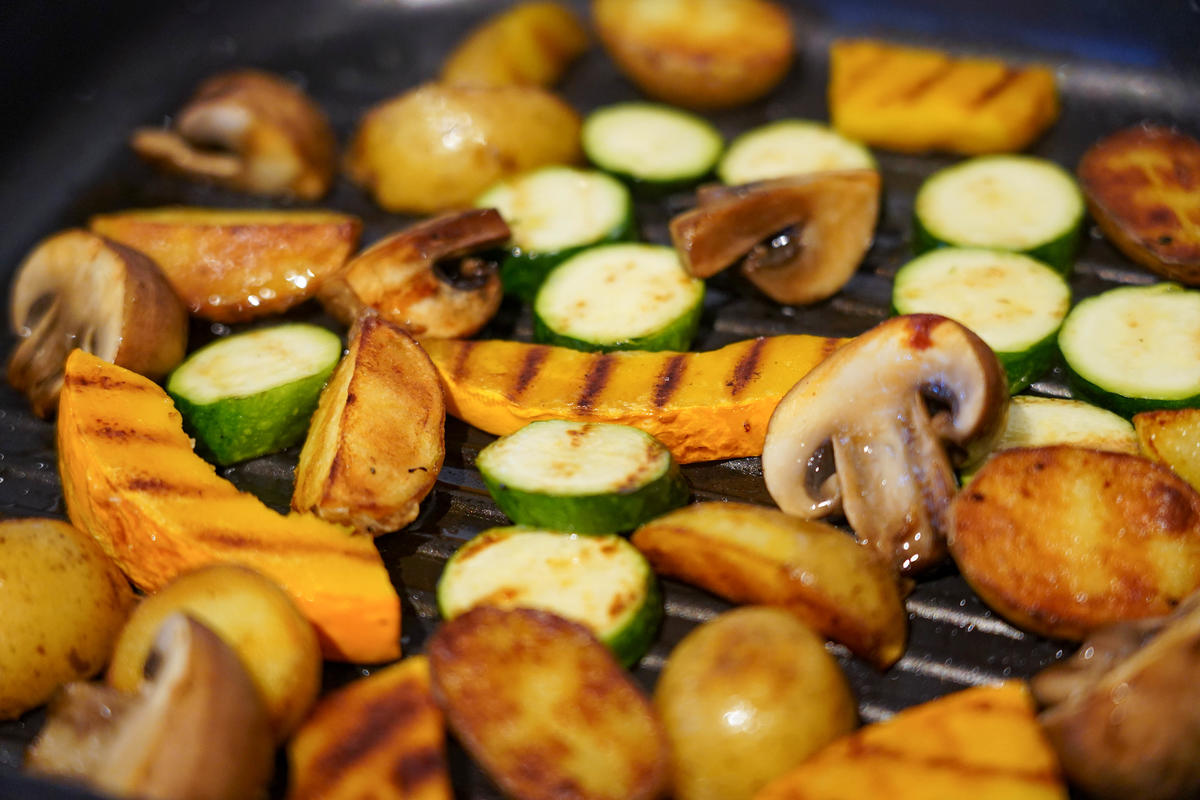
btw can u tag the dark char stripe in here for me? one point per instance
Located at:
(1007, 79)
(925, 84)
(669, 379)
(530, 367)
(459, 370)
(746, 368)
(595, 381)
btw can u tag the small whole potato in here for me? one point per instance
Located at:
(63, 602)
(746, 697)
(274, 641)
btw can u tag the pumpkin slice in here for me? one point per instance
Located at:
(131, 480)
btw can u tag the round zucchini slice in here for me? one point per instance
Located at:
(651, 145)
(601, 582)
(790, 147)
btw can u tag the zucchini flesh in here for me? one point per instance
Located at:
(587, 477)
(602, 582)
(1014, 303)
(619, 297)
(651, 143)
(790, 147)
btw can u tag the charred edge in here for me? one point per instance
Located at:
(413, 770)
(914, 92)
(595, 381)
(668, 380)
(235, 541)
(746, 368)
(104, 382)
(828, 346)
(459, 370)
(999, 87)
(531, 367)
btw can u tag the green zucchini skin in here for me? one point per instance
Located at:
(1058, 253)
(522, 272)
(677, 336)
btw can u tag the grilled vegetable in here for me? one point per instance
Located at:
(913, 99)
(131, 480)
(856, 434)
(601, 582)
(1135, 348)
(702, 406)
(1014, 303)
(789, 147)
(1018, 203)
(1172, 437)
(64, 603)
(437, 147)
(983, 743)
(798, 239)
(377, 440)
(653, 146)
(399, 746)
(542, 705)
(76, 289)
(1141, 187)
(619, 297)
(253, 393)
(251, 614)
(587, 477)
(746, 697)
(248, 130)
(749, 554)
(232, 265)
(531, 43)
(1062, 540)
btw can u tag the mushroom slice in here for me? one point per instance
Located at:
(196, 731)
(865, 433)
(77, 289)
(436, 278)
(248, 130)
(1124, 712)
(798, 239)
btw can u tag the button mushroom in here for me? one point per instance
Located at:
(437, 278)
(196, 731)
(798, 239)
(863, 433)
(248, 130)
(77, 289)
(1124, 712)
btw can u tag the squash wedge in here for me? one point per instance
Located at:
(131, 480)
(702, 406)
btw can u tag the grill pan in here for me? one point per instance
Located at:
(82, 76)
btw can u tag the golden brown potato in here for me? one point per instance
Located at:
(252, 615)
(438, 147)
(746, 697)
(1172, 437)
(698, 53)
(531, 43)
(63, 602)
(231, 265)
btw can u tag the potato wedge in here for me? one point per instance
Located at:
(231, 265)
(1062, 540)
(438, 147)
(380, 737)
(1172, 437)
(531, 43)
(698, 53)
(1143, 189)
(982, 743)
(377, 440)
(545, 708)
(750, 554)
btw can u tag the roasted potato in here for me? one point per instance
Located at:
(1172, 437)
(744, 698)
(252, 615)
(437, 147)
(531, 43)
(698, 53)
(63, 602)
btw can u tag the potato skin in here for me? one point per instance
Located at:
(746, 697)
(437, 147)
(63, 602)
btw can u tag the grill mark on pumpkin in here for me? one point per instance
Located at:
(235, 541)
(746, 367)
(914, 92)
(531, 367)
(459, 368)
(152, 485)
(997, 88)
(415, 769)
(117, 433)
(858, 748)
(668, 380)
(105, 382)
(594, 381)
(863, 72)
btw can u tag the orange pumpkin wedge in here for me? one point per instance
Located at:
(131, 480)
(702, 406)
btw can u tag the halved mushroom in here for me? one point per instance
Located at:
(249, 130)
(196, 731)
(77, 289)
(1124, 712)
(436, 278)
(798, 239)
(866, 432)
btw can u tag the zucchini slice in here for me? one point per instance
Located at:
(651, 145)
(554, 212)
(588, 477)
(253, 393)
(1014, 303)
(601, 582)
(1135, 348)
(790, 147)
(1019, 203)
(619, 297)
